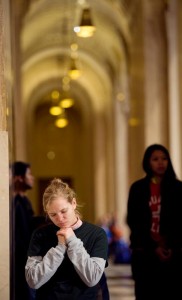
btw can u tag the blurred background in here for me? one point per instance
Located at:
(89, 85)
(94, 82)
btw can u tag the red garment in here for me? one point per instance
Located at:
(155, 206)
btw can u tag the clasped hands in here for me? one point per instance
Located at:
(63, 234)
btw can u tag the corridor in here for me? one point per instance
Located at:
(121, 286)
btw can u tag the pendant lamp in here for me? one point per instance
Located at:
(86, 27)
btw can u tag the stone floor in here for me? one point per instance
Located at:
(120, 283)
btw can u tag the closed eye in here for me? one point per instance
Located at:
(52, 215)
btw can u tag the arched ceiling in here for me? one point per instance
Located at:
(47, 34)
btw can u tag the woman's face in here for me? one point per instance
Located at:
(61, 212)
(158, 163)
(28, 179)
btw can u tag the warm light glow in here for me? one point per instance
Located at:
(61, 122)
(86, 27)
(51, 155)
(84, 31)
(66, 102)
(55, 110)
(133, 122)
(66, 80)
(55, 94)
(74, 74)
(74, 46)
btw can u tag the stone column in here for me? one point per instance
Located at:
(5, 100)
(156, 72)
(175, 139)
(121, 165)
(99, 167)
(18, 10)
(122, 109)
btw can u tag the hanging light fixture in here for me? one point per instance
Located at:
(66, 99)
(74, 72)
(55, 94)
(61, 122)
(66, 102)
(86, 27)
(56, 110)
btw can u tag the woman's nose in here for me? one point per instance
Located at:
(59, 216)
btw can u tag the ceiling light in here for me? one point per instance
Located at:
(55, 95)
(51, 155)
(74, 72)
(55, 110)
(86, 27)
(61, 122)
(74, 46)
(66, 102)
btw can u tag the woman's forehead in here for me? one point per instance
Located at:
(58, 201)
(158, 152)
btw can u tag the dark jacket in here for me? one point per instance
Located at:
(139, 216)
(22, 216)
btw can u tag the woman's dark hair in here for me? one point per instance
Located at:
(19, 168)
(170, 173)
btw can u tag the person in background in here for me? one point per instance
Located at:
(66, 258)
(22, 223)
(154, 216)
(105, 222)
(119, 251)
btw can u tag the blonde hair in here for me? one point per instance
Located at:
(58, 188)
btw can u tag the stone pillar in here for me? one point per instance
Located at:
(175, 139)
(18, 10)
(156, 72)
(121, 113)
(5, 94)
(121, 165)
(99, 167)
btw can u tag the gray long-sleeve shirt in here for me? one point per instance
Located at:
(74, 269)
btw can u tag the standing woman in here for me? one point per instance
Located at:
(66, 258)
(154, 216)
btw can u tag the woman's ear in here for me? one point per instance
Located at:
(74, 203)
